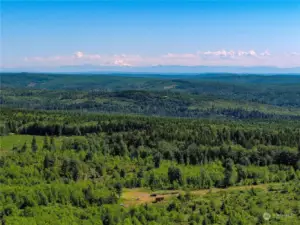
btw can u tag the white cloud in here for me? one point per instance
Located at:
(221, 53)
(230, 54)
(185, 55)
(120, 62)
(78, 55)
(208, 58)
(265, 53)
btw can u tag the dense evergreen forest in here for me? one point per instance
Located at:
(219, 149)
(278, 90)
(216, 95)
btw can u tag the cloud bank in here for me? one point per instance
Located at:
(199, 58)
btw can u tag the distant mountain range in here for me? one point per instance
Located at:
(94, 69)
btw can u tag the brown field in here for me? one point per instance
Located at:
(138, 196)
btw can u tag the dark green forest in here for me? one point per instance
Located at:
(202, 96)
(206, 149)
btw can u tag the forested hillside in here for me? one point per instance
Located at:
(273, 90)
(149, 150)
(227, 96)
(85, 163)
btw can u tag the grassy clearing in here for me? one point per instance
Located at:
(137, 196)
(8, 142)
(237, 188)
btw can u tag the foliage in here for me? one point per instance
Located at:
(75, 167)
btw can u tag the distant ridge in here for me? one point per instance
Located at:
(94, 69)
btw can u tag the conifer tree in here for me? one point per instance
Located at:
(34, 146)
(46, 143)
(52, 144)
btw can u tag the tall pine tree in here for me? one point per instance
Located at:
(34, 146)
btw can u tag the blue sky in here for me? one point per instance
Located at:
(140, 33)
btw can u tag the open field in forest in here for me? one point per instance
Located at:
(10, 141)
(16, 140)
(137, 196)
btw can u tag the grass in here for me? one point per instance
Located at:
(8, 142)
(137, 196)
